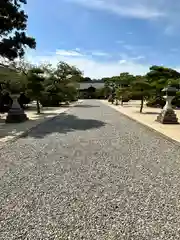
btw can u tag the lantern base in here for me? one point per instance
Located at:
(16, 114)
(167, 116)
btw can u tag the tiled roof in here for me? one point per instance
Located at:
(89, 84)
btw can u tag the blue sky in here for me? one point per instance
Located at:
(106, 37)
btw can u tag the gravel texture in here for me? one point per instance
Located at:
(90, 174)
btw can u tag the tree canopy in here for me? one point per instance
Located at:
(54, 84)
(127, 86)
(13, 24)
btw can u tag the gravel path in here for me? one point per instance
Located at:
(90, 174)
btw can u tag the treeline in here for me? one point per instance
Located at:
(147, 87)
(50, 86)
(47, 85)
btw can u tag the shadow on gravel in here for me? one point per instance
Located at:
(64, 123)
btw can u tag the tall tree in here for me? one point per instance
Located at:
(35, 85)
(13, 23)
(68, 77)
(142, 88)
(124, 82)
(21, 66)
(60, 84)
(66, 72)
(11, 80)
(86, 79)
(159, 77)
(109, 82)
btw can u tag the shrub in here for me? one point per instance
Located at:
(125, 99)
(48, 100)
(176, 102)
(5, 102)
(135, 97)
(102, 93)
(160, 102)
(157, 102)
(23, 100)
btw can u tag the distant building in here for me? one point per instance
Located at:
(86, 85)
(88, 89)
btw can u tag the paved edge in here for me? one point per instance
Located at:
(27, 131)
(150, 128)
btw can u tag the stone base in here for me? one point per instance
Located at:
(167, 117)
(16, 116)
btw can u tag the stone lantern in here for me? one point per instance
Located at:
(16, 114)
(168, 115)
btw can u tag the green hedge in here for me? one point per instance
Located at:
(156, 102)
(160, 102)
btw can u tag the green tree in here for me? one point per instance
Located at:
(21, 66)
(86, 79)
(60, 84)
(122, 86)
(35, 85)
(66, 72)
(103, 93)
(11, 80)
(142, 88)
(13, 39)
(123, 94)
(109, 82)
(159, 77)
(48, 70)
(52, 95)
(68, 77)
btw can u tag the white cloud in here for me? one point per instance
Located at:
(122, 61)
(138, 57)
(92, 67)
(136, 49)
(126, 58)
(78, 53)
(163, 12)
(99, 54)
(71, 53)
(135, 9)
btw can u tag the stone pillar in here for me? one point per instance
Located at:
(16, 114)
(168, 115)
